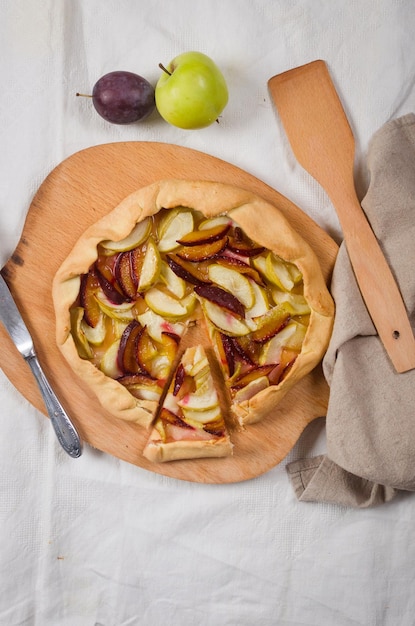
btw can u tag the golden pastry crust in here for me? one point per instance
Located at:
(162, 452)
(261, 221)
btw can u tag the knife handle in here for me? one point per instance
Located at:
(64, 429)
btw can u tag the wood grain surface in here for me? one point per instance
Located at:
(323, 143)
(77, 193)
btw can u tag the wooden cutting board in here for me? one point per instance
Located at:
(76, 194)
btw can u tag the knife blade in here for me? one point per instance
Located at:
(12, 320)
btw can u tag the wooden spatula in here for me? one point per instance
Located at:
(323, 143)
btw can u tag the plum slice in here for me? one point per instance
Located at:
(222, 298)
(127, 352)
(242, 347)
(92, 311)
(146, 351)
(186, 270)
(228, 353)
(241, 266)
(183, 384)
(136, 379)
(141, 386)
(240, 244)
(110, 290)
(206, 236)
(271, 323)
(105, 265)
(280, 371)
(202, 252)
(124, 275)
(156, 357)
(254, 373)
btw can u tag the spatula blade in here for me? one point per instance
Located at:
(323, 143)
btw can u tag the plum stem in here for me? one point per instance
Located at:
(161, 66)
(84, 95)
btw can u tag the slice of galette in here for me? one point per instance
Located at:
(189, 423)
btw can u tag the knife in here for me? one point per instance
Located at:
(15, 326)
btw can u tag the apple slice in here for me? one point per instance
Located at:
(156, 325)
(78, 334)
(291, 337)
(95, 334)
(296, 303)
(204, 416)
(271, 323)
(139, 234)
(211, 222)
(186, 270)
(151, 267)
(168, 425)
(295, 272)
(251, 389)
(156, 358)
(167, 306)
(117, 327)
(241, 266)
(174, 283)
(142, 386)
(121, 311)
(109, 361)
(278, 273)
(234, 282)
(196, 364)
(202, 252)
(260, 307)
(222, 298)
(176, 224)
(223, 319)
(296, 339)
(205, 236)
(201, 400)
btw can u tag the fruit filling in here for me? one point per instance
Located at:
(138, 297)
(191, 408)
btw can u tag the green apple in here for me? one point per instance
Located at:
(191, 92)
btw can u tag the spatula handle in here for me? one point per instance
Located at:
(377, 285)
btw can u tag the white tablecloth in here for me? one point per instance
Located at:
(97, 541)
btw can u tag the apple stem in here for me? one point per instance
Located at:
(161, 66)
(83, 95)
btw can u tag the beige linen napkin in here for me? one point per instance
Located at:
(371, 414)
